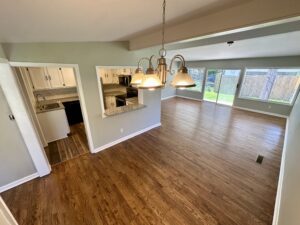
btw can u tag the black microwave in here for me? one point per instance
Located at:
(125, 80)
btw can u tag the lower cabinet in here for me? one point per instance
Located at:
(110, 102)
(54, 124)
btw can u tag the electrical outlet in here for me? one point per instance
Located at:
(121, 130)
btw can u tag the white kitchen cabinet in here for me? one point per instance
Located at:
(106, 75)
(54, 124)
(54, 77)
(115, 76)
(110, 102)
(68, 76)
(39, 79)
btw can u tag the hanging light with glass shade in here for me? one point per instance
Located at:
(157, 78)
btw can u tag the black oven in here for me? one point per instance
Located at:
(130, 93)
(125, 80)
(120, 100)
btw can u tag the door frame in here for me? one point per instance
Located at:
(13, 95)
(5, 214)
(79, 91)
(236, 90)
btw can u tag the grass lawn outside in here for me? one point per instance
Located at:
(223, 98)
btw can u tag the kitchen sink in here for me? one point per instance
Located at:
(51, 106)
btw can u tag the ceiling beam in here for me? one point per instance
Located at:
(248, 14)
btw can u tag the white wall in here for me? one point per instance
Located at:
(289, 209)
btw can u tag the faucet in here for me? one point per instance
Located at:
(37, 99)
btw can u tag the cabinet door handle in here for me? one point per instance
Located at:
(11, 117)
(46, 77)
(49, 77)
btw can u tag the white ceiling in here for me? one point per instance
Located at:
(92, 20)
(286, 44)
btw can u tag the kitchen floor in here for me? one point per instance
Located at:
(68, 148)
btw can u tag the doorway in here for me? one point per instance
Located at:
(221, 86)
(53, 96)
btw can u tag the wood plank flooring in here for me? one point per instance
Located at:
(68, 148)
(197, 168)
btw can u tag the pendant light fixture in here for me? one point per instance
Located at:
(157, 78)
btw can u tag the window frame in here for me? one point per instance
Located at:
(237, 92)
(268, 101)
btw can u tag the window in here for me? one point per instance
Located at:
(271, 85)
(198, 75)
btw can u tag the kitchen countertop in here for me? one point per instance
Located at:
(59, 101)
(113, 93)
(123, 109)
(41, 110)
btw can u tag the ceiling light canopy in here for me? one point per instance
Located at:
(157, 78)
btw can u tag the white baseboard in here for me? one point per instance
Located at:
(173, 96)
(196, 99)
(125, 138)
(281, 175)
(18, 182)
(259, 111)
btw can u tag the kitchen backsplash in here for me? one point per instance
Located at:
(56, 93)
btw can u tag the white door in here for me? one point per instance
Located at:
(68, 76)
(6, 218)
(55, 77)
(38, 78)
(11, 138)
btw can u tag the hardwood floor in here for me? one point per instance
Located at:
(68, 148)
(197, 168)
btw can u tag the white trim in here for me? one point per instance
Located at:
(79, 90)
(101, 92)
(281, 175)
(125, 138)
(18, 182)
(259, 111)
(173, 96)
(196, 99)
(13, 95)
(6, 216)
(2, 60)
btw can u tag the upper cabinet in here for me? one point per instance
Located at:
(51, 77)
(54, 77)
(109, 76)
(68, 76)
(38, 77)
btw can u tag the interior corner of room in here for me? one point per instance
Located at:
(222, 149)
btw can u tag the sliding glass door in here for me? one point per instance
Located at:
(212, 84)
(220, 86)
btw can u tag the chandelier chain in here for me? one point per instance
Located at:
(163, 25)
